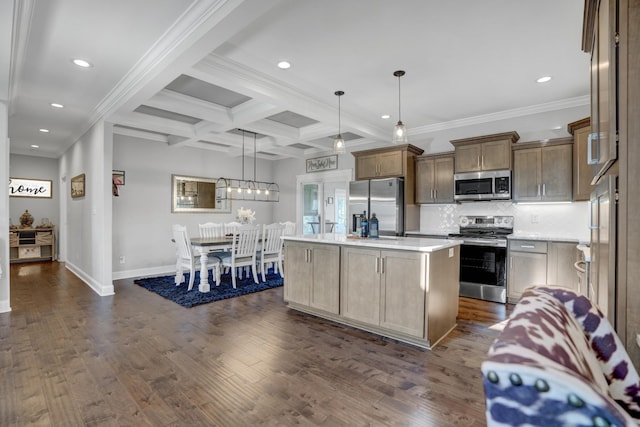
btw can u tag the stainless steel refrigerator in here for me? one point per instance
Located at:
(383, 197)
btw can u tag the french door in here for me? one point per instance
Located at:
(322, 202)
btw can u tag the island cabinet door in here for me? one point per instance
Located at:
(325, 287)
(360, 285)
(403, 292)
(299, 273)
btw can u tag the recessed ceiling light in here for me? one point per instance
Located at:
(82, 63)
(35, 146)
(557, 127)
(43, 130)
(543, 79)
(284, 65)
(56, 105)
(385, 116)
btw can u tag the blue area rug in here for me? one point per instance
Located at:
(165, 287)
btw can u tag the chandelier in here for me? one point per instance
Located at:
(246, 189)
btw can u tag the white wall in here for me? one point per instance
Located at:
(142, 217)
(35, 168)
(4, 210)
(87, 226)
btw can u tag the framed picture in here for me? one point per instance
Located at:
(77, 186)
(22, 187)
(322, 163)
(117, 177)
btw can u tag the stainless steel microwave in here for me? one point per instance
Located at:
(485, 185)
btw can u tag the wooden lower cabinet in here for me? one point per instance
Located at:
(560, 260)
(384, 288)
(407, 295)
(313, 275)
(534, 262)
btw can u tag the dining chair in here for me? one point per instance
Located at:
(211, 230)
(289, 228)
(230, 227)
(271, 251)
(187, 259)
(243, 251)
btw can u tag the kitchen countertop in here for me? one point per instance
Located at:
(415, 244)
(546, 237)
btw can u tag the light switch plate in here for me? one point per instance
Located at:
(451, 252)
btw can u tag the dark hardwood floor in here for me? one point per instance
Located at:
(71, 358)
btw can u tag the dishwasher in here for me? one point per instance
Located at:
(582, 269)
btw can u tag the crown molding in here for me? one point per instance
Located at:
(503, 115)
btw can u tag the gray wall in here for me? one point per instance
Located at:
(35, 168)
(142, 216)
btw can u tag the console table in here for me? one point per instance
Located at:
(31, 244)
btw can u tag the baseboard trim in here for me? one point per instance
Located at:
(144, 272)
(101, 290)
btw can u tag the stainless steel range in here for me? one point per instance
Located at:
(483, 256)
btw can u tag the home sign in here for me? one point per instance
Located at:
(20, 187)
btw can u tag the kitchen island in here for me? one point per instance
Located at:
(401, 288)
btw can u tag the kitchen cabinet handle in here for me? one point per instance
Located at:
(377, 265)
(527, 246)
(538, 189)
(310, 255)
(544, 189)
(482, 162)
(306, 255)
(381, 265)
(435, 193)
(431, 194)
(478, 162)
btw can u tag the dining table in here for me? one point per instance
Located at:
(204, 246)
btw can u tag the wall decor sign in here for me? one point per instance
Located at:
(77, 186)
(22, 187)
(322, 163)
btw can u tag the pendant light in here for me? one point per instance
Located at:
(339, 146)
(400, 130)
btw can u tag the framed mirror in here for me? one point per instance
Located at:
(192, 194)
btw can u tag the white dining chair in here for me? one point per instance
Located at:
(271, 251)
(187, 259)
(289, 228)
(211, 230)
(243, 251)
(231, 227)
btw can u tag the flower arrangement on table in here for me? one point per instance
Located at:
(245, 216)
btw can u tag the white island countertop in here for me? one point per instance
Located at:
(383, 242)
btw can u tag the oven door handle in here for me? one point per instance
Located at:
(492, 243)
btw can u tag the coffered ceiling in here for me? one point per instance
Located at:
(191, 73)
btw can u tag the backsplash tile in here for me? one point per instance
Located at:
(562, 220)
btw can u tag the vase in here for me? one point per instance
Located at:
(26, 219)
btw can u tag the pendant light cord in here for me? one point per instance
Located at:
(254, 156)
(399, 103)
(243, 154)
(339, 120)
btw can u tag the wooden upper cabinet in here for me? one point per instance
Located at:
(483, 153)
(543, 172)
(599, 38)
(434, 179)
(385, 162)
(582, 187)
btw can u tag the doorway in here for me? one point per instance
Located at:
(322, 202)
